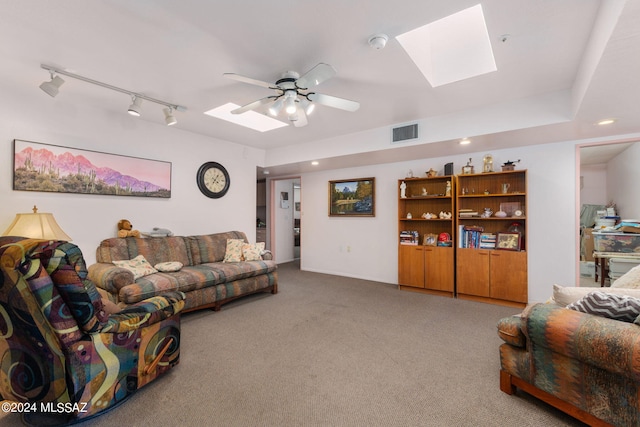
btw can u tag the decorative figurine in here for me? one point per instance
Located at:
(424, 191)
(403, 190)
(409, 216)
(431, 173)
(410, 174)
(447, 191)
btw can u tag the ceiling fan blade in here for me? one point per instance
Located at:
(253, 105)
(249, 80)
(333, 101)
(316, 75)
(299, 118)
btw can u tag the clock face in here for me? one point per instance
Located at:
(213, 180)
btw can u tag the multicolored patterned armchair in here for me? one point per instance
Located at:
(58, 345)
(587, 366)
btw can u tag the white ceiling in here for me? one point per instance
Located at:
(565, 65)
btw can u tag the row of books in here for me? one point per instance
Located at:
(409, 237)
(472, 236)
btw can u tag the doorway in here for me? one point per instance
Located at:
(284, 212)
(602, 180)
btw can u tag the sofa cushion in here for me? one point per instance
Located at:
(139, 266)
(169, 266)
(617, 307)
(630, 279)
(193, 277)
(565, 295)
(252, 252)
(211, 247)
(154, 249)
(234, 250)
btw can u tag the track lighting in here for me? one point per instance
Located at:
(134, 109)
(168, 117)
(51, 87)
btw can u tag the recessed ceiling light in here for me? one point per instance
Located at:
(451, 49)
(249, 119)
(606, 122)
(315, 163)
(465, 141)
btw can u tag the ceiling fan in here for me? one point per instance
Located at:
(293, 94)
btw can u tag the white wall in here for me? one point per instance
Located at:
(88, 219)
(623, 176)
(594, 184)
(367, 247)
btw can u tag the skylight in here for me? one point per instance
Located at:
(451, 49)
(250, 119)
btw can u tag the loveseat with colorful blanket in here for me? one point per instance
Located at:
(583, 364)
(62, 353)
(210, 269)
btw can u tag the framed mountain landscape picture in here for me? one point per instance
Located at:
(51, 168)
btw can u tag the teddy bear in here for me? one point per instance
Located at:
(125, 229)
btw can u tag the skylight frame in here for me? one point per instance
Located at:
(454, 48)
(250, 119)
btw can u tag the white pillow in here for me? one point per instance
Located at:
(169, 266)
(630, 279)
(252, 252)
(565, 295)
(139, 266)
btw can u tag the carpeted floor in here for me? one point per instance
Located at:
(335, 351)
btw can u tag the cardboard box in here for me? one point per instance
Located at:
(587, 244)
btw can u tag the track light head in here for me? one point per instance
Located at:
(168, 117)
(51, 87)
(134, 108)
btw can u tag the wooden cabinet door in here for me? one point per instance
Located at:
(439, 268)
(509, 276)
(473, 272)
(411, 266)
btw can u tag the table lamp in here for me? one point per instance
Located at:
(36, 226)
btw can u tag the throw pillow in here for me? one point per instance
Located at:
(169, 266)
(630, 279)
(617, 307)
(565, 295)
(139, 266)
(234, 250)
(252, 252)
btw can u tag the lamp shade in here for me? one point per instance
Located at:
(36, 226)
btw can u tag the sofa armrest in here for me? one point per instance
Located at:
(266, 255)
(510, 330)
(110, 277)
(605, 343)
(145, 313)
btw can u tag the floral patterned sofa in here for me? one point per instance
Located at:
(211, 269)
(584, 364)
(61, 351)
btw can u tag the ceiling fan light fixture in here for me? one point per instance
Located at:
(134, 108)
(307, 106)
(276, 107)
(291, 107)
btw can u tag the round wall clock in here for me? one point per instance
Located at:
(213, 180)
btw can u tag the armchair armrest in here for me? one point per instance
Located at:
(145, 313)
(110, 277)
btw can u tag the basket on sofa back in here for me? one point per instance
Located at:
(207, 281)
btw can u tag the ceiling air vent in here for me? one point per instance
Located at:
(404, 133)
